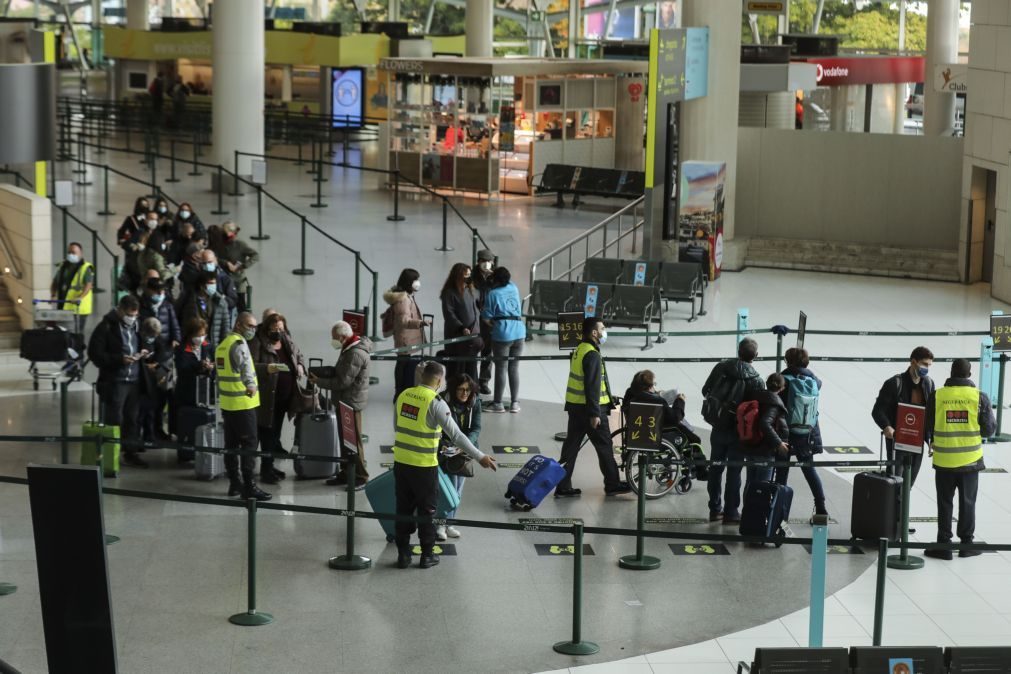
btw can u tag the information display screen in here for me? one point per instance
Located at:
(347, 108)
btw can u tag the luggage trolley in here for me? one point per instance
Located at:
(55, 338)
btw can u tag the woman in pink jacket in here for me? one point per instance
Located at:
(408, 325)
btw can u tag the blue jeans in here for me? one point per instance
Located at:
(724, 446)
(457, 481)
(810, 474)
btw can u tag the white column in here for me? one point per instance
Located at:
(137, 15)
(238, 56)
(393, 10)
(478, 22)
(899, 123)
(942, 47)
(286, 71)
(574, 20)
(320, 9)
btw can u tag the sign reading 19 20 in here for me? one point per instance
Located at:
(1000, 330)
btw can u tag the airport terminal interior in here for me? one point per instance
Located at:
(751, 174)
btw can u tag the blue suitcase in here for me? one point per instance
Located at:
(766, 507)
(382, 495)
(534, 481)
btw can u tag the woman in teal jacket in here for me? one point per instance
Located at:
(503, 311)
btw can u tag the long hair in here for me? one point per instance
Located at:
(455, 282)
(458, 380)
(407, 278)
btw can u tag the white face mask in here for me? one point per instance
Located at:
(73, 258)
(184, 215)
(151, 224)
(603, 336)
(197, 341)
(486, 266)
(336, 344)
(129, 321)
(416, 286)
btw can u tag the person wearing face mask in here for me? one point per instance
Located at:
(349, 385)
(157, 372)
(279, 364)
(913, 387)
(207, 263)
(208, 304)
(588, 403)
(115, 348)
(133, 225)
(503, 312)
(179, 249)
(152, 256)
(239, 398)
(74, 284)
(236, 256)
(482, 283)
(460, 319)
(154, 303)
(186, 214)
(194, 369)
(408, 325)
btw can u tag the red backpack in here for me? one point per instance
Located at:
(747, 423)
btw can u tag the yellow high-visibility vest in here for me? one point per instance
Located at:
(76, 292)
(957, 440)
(415, 443)
(575, 391)
(231, 391)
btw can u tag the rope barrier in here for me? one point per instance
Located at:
(673, 359)
(759, 331)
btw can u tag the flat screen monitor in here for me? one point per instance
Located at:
(347, 107)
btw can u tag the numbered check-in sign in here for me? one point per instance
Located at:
(1000, 330)
(570, 330)
(644, 426)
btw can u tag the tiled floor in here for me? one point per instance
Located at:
(497, 606)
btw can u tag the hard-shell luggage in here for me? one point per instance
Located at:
(209, 465)
(189, 419)
(876, 510)
(110, 450)
(318, 435)
(382, 495)
(534, 481)
(51, 345)
(766, 507)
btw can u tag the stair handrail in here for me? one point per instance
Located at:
(6, 248)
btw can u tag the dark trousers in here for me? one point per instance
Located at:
(967, 485)
(600, 438)
(403, 373)
(240, 434)
(724, 447)
(485, 376)
(270, 438)
(810, 474)
(121, 407)
(417, 495)
(898, 468)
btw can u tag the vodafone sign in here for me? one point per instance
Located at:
(834, 71)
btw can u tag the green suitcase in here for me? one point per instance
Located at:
(110, 450)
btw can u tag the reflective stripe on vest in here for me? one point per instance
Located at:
(415, 443)
(957, 440)
(231, 391)
(76, 292)
(575, 391)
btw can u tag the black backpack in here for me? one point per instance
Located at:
(719, 408)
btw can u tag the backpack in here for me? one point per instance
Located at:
(719, 408)
(747, 423)
(387, 318)
(801, 404)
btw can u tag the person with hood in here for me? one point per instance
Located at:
(913, 387)
(129, 232)
(408, 325)
(803, 445)
(349, 385)
(482, 283)
(957, 418)
(115, 349)
(208, 304)
(772, 428)
(460, 318)
(236, 256)
(728, 383)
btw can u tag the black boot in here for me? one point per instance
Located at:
(234, 486)
(267, 476)
(252, 491)
(428, 560)
(403, 558)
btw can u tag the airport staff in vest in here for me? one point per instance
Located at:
(958, 417)
(239, 396)
(74, 284)
(420, 419)
(588, 402)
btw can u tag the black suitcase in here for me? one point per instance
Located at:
(191, 418)
(50, 345)
(877, 499)
(766, 507)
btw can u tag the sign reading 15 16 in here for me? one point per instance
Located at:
(1000, 330)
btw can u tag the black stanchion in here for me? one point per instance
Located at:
(1000, 436)
(879, 592)
(172, 162)
(349, 561)
(221, 179)
(577, 646)
(376, 337)
(319, 182)
(105, 192)
(312, 153)
(251, 617)
(259, 236)
(396, 217)
(640, 561)
(904, 561)
(303, 270)
(94, 260)
(196, 149)
(445, 247)
(100, 462)
(83, 180)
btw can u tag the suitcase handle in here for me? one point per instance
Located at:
(431, 331)
(316, 409)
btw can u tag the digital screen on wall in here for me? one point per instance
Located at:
(347, 108)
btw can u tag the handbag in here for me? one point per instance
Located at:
(305, 399)
(456, 464)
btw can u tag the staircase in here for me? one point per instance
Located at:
(852, 258)
(10, 325)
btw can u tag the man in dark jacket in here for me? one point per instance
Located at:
(957, 419)
(154, 303)
(912, 387)
(803, 445)
(725, 388)
(483, 283)
(115, 349)
(191, 276)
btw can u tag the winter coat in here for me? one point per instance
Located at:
(238, 251)
(466, 415)
(895, 390)
(188, 370)
(459, 311)
(263, 356)
(408, 323)
(161, 355)
(734, 369)
(772, 422)
(350, 383)
(215, 311)
(105, 349)
(166, 315)
(672, 414)
(504, 309)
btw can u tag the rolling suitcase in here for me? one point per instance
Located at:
(110, 450)
(534, 481)
(877, 499)
(382, 495)
(192, 418)
(209, 465)
(766, 507)
(318, 435)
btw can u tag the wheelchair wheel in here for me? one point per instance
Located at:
(662, 474)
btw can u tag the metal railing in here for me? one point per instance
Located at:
(630, 216)
(11, 267)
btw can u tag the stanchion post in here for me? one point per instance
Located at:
(65, 242)
(105, 192)
(879, 591)
(260, 236)
(577, 646)
(302, 270)
(358, 270)
(221, 209)
(904, 561)
(473, 248)
(251, 617)
(742, 326)
(154, 174)
(779, 353)
(396, 217)
(312, 153)
(349, 561)
(80, 156)
(94, 259)
(999, 436)
(375, 307)
(196, 167)
(64, 424)
(819, 561)
(100, 462)
(172, 162)
(445, 247)
(319, 178)
(640, 561)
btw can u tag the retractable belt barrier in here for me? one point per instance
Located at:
(664, 359)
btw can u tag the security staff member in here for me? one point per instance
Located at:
(588, 402)
(958, 417)
(420, 419)
(239, 397)
(74, 283)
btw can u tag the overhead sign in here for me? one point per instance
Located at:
(801, 330)
(952, 78)
(909, 428)
(570, 330)
(766, 7)
(833, 71)
(1000, 330)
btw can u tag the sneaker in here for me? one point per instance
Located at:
(252, 491)
(484, 390)
(494, 408)
(514, 407)
(969, 553)
(428, 560)
(452, 532)
(939, 554)
(620, 488)
(715, 515)
(440, 534)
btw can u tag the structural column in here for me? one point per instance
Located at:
(137, 15)
(942, 47)
(237, 104)
(479, 18)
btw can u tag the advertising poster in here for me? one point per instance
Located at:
(909, 428)
(347, 109)
(507, 128)
(700, 224)
(668, 14)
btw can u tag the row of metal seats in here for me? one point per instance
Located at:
(676, 281)
(880, 660)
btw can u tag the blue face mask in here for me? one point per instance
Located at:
(212, 290)
(923, 371)
(210, 266)
(157, 299)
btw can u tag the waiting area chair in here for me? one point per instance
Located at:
(798, 661)
(978, 659)
(874, 659)
(602, 270)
